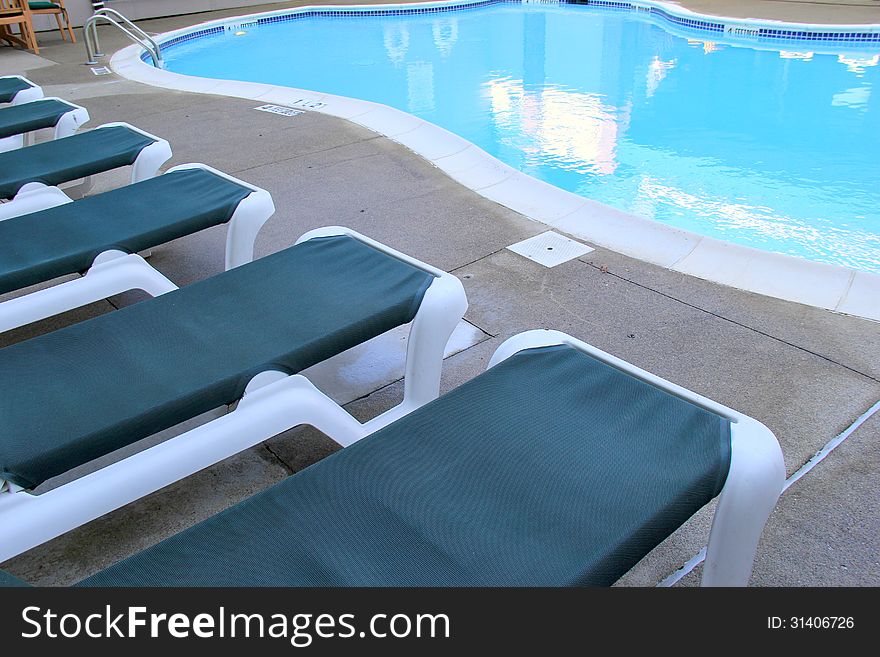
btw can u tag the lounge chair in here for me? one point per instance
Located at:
(559, 466)
(101, 235)
(16, 89)
(18, 122)
(240, 336)
(26, 172)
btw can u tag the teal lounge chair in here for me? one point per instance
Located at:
(83, 391)
(26, 172)
(559, 466)
(99, 236)
(16, 89)
(19, 122)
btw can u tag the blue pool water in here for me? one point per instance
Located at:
(775, 149)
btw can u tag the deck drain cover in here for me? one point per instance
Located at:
(278, 109)
(101, 70)
(549, 249)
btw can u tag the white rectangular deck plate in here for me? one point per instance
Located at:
(101, 70)
(550, 249)
(278, 109)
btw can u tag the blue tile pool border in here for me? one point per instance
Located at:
(745, 31)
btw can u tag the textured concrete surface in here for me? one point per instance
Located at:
(827, 528)
(822, 11)
(804, 372)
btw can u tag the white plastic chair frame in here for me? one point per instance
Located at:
(113, 272)
(273, 403)
(34, 92)
(32, 196)
(68, 123)
(754, 481)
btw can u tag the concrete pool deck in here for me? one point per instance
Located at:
(806, 373)
(821, 11)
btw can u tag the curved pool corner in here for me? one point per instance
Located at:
(831, 287)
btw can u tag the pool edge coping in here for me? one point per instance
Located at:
(831, 287)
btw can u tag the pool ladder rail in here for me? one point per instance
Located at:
(132, 31)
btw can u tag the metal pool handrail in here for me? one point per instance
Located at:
(128, 28)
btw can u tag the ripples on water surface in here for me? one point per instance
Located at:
(775, 149)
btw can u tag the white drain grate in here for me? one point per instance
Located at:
(550, 249)
(101, 70)
(277, 109)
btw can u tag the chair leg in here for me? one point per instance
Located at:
(69, 28)
(64, 25)
(27, 32)
(60, 26)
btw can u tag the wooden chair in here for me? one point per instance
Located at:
(16, 12)
(57, 8)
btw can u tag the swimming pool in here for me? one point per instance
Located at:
(769, 148)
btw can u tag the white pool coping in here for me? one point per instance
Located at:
(836, 288)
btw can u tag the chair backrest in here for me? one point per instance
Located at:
(16, 12)
(13, 6)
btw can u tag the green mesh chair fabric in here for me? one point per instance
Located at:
(65, 239)
(550, 469)
(19, 119)
(62, 160)
(90, 388)
(7, 580)
(9, 88)
(37, 6)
